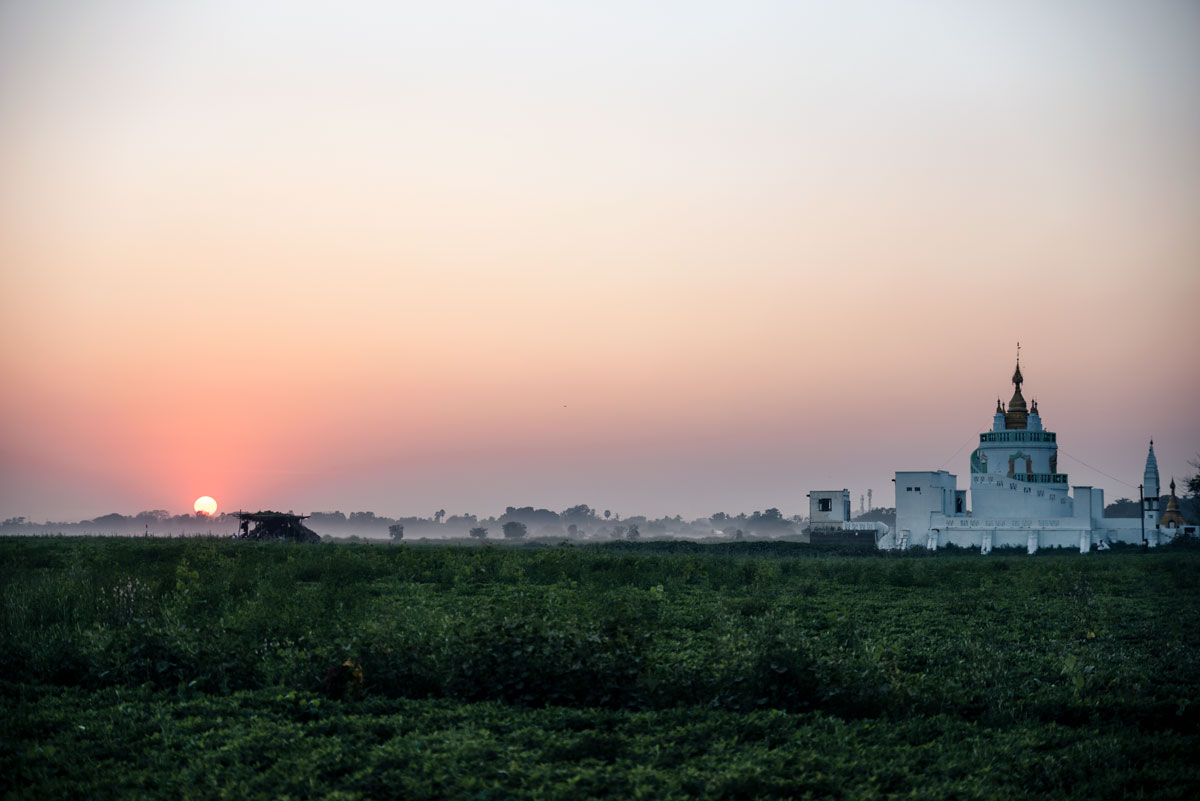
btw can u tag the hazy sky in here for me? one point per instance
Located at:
(666, 257)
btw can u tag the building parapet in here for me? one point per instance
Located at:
(1004, 522)
(871, 525)
(1041, 478)
(1018, 436)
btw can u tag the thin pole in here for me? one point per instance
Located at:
(1142, 498)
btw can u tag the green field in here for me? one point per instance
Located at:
(214, 669)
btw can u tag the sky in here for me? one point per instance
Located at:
(660, 258)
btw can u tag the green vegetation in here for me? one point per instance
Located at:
(206, 668)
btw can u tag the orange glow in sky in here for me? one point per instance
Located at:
(680, 259)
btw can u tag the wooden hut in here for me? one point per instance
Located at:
(273, 526)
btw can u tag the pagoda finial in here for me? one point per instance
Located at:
(1017, 377)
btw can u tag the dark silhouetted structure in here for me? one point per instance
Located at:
(272, 526)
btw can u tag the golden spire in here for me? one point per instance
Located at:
(1017, 415)
(1172, 518)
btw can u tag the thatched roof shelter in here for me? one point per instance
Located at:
(271, 526)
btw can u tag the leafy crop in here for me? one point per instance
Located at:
(666, 669)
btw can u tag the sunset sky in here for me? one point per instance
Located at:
(656, 257)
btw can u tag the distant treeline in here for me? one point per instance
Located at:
(1189, 507)
(155, 522)
(577, 522)
(581, 522)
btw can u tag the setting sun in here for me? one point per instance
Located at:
(205, 505)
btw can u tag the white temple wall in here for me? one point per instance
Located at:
(1065, 532)
(1023, 457)
(1083, 503)
(1089, 506)
(1128, 536)
(1010, 537)
(1061, 538)
(998, 496)
(1014, 531)
(919, 495)
(1097, 508)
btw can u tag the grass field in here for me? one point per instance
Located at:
(212, 669)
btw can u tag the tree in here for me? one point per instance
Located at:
(542, 518)
(771, 521)
(438, 515)
(633, 532)
(1191, 485)
(479, 533)
(582, 513)
(1123, 507)
(514, 529)
(396, 532)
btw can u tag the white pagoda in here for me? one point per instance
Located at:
(1018, 497)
